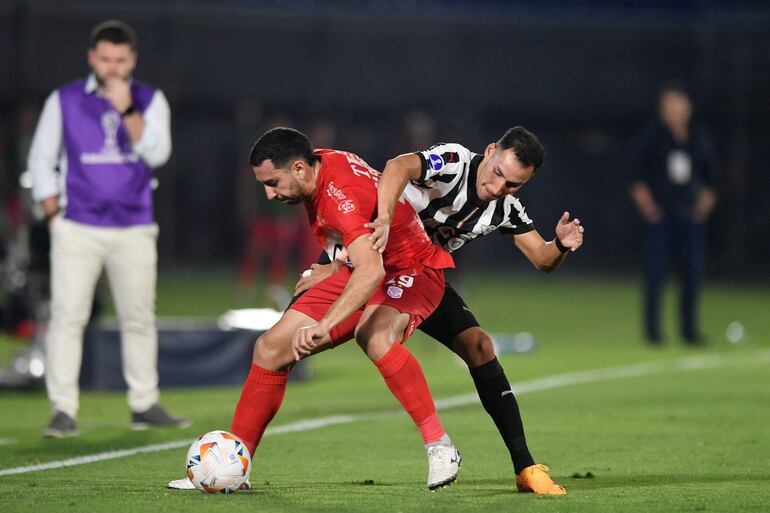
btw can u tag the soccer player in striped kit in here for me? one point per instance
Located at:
(459, 196)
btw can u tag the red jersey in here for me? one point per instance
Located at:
(346, 199)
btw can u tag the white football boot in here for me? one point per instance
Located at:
(181, 484)
(443, 465)
(186, 484)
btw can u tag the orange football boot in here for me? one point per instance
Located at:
(535, 479)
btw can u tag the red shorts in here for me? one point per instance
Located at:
(412, 292)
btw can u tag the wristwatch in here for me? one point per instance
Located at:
(130, 110)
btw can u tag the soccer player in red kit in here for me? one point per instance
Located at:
(378, 299)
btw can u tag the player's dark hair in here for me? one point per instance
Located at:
(282, 145)
(525, 144)
(115, 32)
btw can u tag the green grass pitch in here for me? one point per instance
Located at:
(689, 431)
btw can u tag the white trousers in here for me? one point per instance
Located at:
(79, 252)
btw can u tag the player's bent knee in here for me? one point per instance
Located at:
(475, 347)
(272, 353)
(375, 344)
(377, 333)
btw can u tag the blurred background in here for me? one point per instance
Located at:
(381, 78)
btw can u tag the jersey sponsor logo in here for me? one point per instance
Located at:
(346, 207)
(334, 192)
(436, 162)
(395, 292)
(454, 244)
(450, 238)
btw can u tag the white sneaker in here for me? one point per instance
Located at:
(186, 484)
(181, 484)
(443, 465)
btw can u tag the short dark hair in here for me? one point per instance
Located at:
(528, 149)
(282, 145)
(672, 86)
(113, 31)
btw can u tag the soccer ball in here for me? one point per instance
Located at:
(218, 462)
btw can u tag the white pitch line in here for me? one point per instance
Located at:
(547, 383)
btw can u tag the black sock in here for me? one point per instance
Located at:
(499, 402)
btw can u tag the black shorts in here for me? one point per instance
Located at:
(451, 318)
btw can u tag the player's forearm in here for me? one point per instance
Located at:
(544, 256)
(360, 287)
(390, 187)
(550, 257)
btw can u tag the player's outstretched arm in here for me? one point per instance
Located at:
(548, 256)
(397, 173)
(367, 274)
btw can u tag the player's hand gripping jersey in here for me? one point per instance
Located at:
(346, 199)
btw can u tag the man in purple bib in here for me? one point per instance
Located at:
(103, 134)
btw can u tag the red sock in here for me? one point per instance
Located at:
(405, 379)
(260, 400)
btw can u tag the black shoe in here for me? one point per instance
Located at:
(656, 341)
(156, 416)
(61, 426)
(695, 340)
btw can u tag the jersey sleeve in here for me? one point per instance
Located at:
(348, 207)
(442, 162)
(516, 219)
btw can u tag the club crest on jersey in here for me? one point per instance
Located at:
(436, 162)
(395, 292)
(346, 206)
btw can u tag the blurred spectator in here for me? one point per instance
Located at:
(674, 188)
(25, 236)
(104, 133)
(278, 239)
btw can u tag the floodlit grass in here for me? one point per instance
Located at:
(672, 441)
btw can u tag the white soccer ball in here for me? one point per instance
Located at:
(218, 462)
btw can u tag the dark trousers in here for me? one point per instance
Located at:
(681, 242)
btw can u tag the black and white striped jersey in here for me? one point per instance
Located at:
(445, 199)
